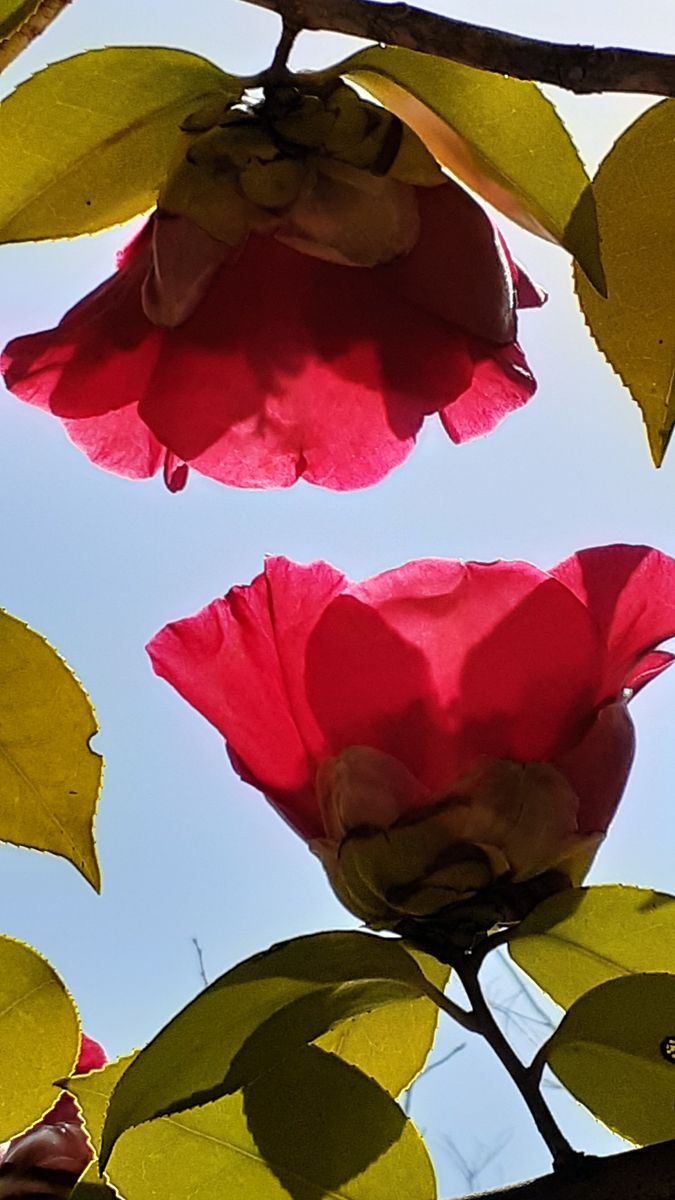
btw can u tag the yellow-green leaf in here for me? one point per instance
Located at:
(615, 1051)
(392, 1043)
(39, 1036)
(86, 143)
(500, 136)
(93, 1092)
(49, 777)
(583, 937)
(314, 1127)
(635, 326)
(14, 14)
(256, 1014)
(92, 1187)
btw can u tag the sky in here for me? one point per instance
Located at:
(98, 564)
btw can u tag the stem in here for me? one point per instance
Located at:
(19, 41)
(458, 1014)
(580, 69)
(525, 1079)
(278, 70)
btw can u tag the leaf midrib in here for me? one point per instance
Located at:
(51, 818)
(257, 1158)
(103, 145)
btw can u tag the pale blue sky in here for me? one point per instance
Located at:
(98, 564)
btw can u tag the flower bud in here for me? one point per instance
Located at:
(395, 853)
(308, 124)
(273, 184)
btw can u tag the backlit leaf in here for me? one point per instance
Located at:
(392, 1043)
(257, 1014)
(313, 1127)
(49, 778)
(39, 1036)
(635, 326)
(93, 1092)
(615, 1051)
(583, 937)
(92, 1187)
(500, 136)
(85, 144)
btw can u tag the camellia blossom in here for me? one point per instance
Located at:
(310, 288)
(49, 1159)
(451, 739)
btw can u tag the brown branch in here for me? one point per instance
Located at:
(645, 1174)
(13, 46)
(580, 69)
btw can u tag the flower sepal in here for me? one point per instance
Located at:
(462, 864)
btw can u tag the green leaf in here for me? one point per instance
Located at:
(14, 14)
(93, 1092)
(615, 1052)
(500, 136)
(392, 1044)
(257, 1014)
(583, 937)
(49, 778)
(314, 1127)
(92, 1187)
(39, 1036)
(635, 326)
(103, 127)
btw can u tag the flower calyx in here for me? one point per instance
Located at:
(445, 871)
(291, 163)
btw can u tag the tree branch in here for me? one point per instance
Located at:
(645, 1174)
(14, 45)
(580, 69)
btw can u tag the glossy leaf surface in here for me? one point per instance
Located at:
(49, 777)
(583, 937)
(103, 127)
(500, 136)
(256, 1015)
(635, 326)
(312, 1127)
(615, 1052)
(392, 1043)
(39, 1036)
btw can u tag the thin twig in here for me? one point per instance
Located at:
(290, 28)
(543, 1017)
(440, 1062)
(13, 46)
(577, 68)
(461, 1015)
(200, 959)
(472, 1172)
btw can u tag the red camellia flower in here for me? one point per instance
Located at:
(48, 1159)
(310, 288)
(448, 737)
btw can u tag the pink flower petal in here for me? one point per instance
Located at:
(630, 594)
(440, 663)
(101, 356)
(240, 662)
(599, 765)
(294, 366)
(501, 382)
(288, 366)
(459, 270)
(446, 667)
